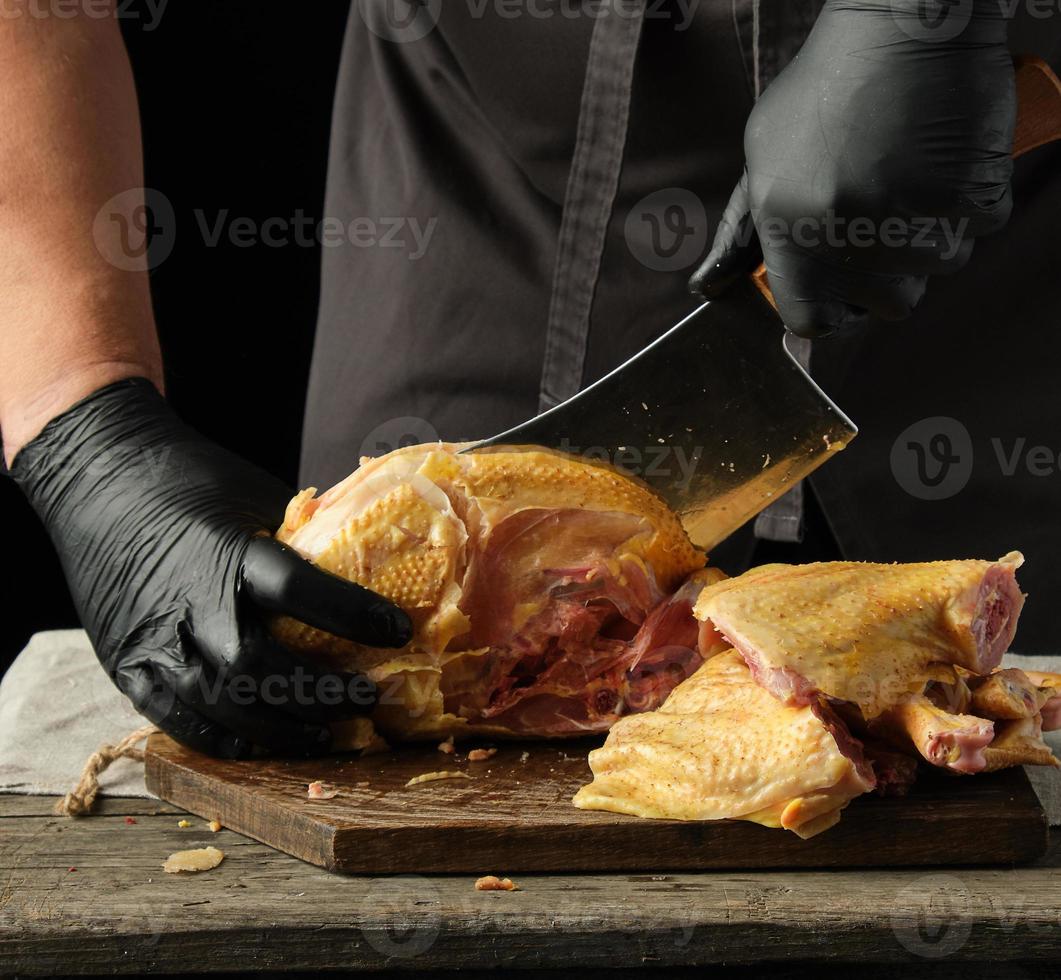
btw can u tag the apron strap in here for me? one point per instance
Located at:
(777, 33)
(592, 184)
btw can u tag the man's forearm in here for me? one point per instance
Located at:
(71, 318)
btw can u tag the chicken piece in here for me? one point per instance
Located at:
(953, 696)
(1050, 687)
(1006, 694)
(531, 578)
(1019, 743)
(970, 743)
(865, 633)
(722, 746)
(952, 741)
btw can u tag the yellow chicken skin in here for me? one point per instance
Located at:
(538, 585)
(866, 633)
(1007, 694)
(1019, 743)
(722, 746)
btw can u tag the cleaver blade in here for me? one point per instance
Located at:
(716, 416)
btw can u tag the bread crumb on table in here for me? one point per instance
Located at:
(481, 755)
(430, 777)
(318, 790)
(447, 746)
(184, 824)
(214, 825)
(201, 859)
(491, 883)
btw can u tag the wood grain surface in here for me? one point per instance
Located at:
(515, 814)
(261, 910)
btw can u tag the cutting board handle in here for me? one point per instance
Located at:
(1038, 123)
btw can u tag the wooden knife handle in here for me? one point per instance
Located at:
(1038, 123)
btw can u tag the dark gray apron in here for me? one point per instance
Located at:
(522, 205)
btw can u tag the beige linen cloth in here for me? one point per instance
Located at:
(57, 707)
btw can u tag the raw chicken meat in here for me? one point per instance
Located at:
(953, 741)
(552, 596)
(723, 746)
(865, 633)
(842, 675)
(1050, 686)
(541, 587)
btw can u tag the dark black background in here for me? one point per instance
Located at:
(235, 100)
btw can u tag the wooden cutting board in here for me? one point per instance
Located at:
(515, 814)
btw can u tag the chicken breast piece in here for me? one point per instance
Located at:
(866, 633)
(723, 746)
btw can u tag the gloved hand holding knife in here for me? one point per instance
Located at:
(873, 162)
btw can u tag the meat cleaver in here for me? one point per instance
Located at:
(717, 416)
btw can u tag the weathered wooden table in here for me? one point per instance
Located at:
(90, 896)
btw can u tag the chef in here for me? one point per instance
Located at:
(574, 161)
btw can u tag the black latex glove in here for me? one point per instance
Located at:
(163, 537)
(873, 161)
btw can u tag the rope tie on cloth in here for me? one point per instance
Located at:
(78, 802)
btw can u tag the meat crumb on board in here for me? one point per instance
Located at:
(481, 755)
(430, 777)
(200, 859)
(318, 790)
(491, 883)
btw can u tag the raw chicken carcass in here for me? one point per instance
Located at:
(541, 588)
(723, 746)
